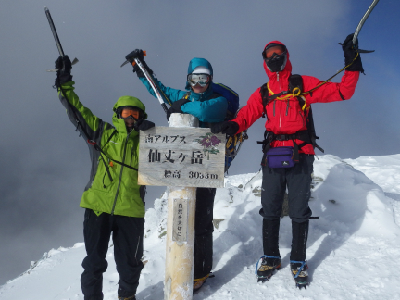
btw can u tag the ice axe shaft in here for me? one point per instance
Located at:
(150, 80)
(53, 29)
(362, 21)
(152, 83)
(58, 44)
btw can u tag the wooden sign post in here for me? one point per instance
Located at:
(183, 158)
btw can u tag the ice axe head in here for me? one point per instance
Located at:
(133, 62)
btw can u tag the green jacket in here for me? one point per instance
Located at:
(115, 191)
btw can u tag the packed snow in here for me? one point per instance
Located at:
(353, 248)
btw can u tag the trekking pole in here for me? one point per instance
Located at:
(362, 21)
(152, 82)
(58, 44)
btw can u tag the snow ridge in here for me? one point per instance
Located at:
(352, 248)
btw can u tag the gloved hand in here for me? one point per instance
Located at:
(63, 66)
(228, 127)
(138, 53)
(350, 51)
(143, 125)
(176, 107)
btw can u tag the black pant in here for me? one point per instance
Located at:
(298, 182)
(203, 228)
(128, 250)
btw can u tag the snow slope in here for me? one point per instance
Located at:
(353, 248)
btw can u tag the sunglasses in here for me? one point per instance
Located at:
(201, 79)
(127, 113)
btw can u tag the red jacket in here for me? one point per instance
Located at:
(286, 116)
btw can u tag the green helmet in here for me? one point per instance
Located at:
(130, 101)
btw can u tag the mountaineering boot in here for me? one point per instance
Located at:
(298, 264)
(271, 260)
(299, 272)
(127, 298)
(267, 268)
(198, 283)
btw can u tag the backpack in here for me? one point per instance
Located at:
(310, 136)
(233, 143)
(230, 95)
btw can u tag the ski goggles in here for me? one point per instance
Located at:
(129, 113)
(274, 55)
(201, 79)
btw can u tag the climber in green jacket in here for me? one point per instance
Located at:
(113, 199)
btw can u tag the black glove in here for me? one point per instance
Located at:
(350, 51)
(138, 53)
(176, 107)
(63, 66)
(228, 127)
(143, 125)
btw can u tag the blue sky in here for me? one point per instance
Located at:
(45, 165)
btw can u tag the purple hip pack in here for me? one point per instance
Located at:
(280, 157)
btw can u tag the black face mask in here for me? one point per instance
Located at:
(276, 63)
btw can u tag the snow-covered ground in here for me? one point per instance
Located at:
(353, 248)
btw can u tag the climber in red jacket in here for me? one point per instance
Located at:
(289, 147)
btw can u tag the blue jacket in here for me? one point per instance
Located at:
(204, 106)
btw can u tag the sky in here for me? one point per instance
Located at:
(45, 164)
(356, 234)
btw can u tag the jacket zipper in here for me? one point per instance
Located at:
(120, 175)
(137, 248)
(287, 106)
(280, 90)
(280, 86)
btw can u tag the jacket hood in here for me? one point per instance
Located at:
(129, 101)
(280, 84)
(126, 101)
(198, 62)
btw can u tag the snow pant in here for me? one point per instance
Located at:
(128, 250)
(203, 229)
(298, 182)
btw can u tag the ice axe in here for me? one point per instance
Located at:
(160, 96)
(362, 21)
(58, 44)
(360, 25)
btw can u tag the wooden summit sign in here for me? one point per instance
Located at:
(184, 156)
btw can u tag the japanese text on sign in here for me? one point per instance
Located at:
(181, 157)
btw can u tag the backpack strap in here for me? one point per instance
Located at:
(296, 81)
(265, 98)
(307, 136)
(98, 148)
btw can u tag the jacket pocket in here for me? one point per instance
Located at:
(105, 176)
(292, 117)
